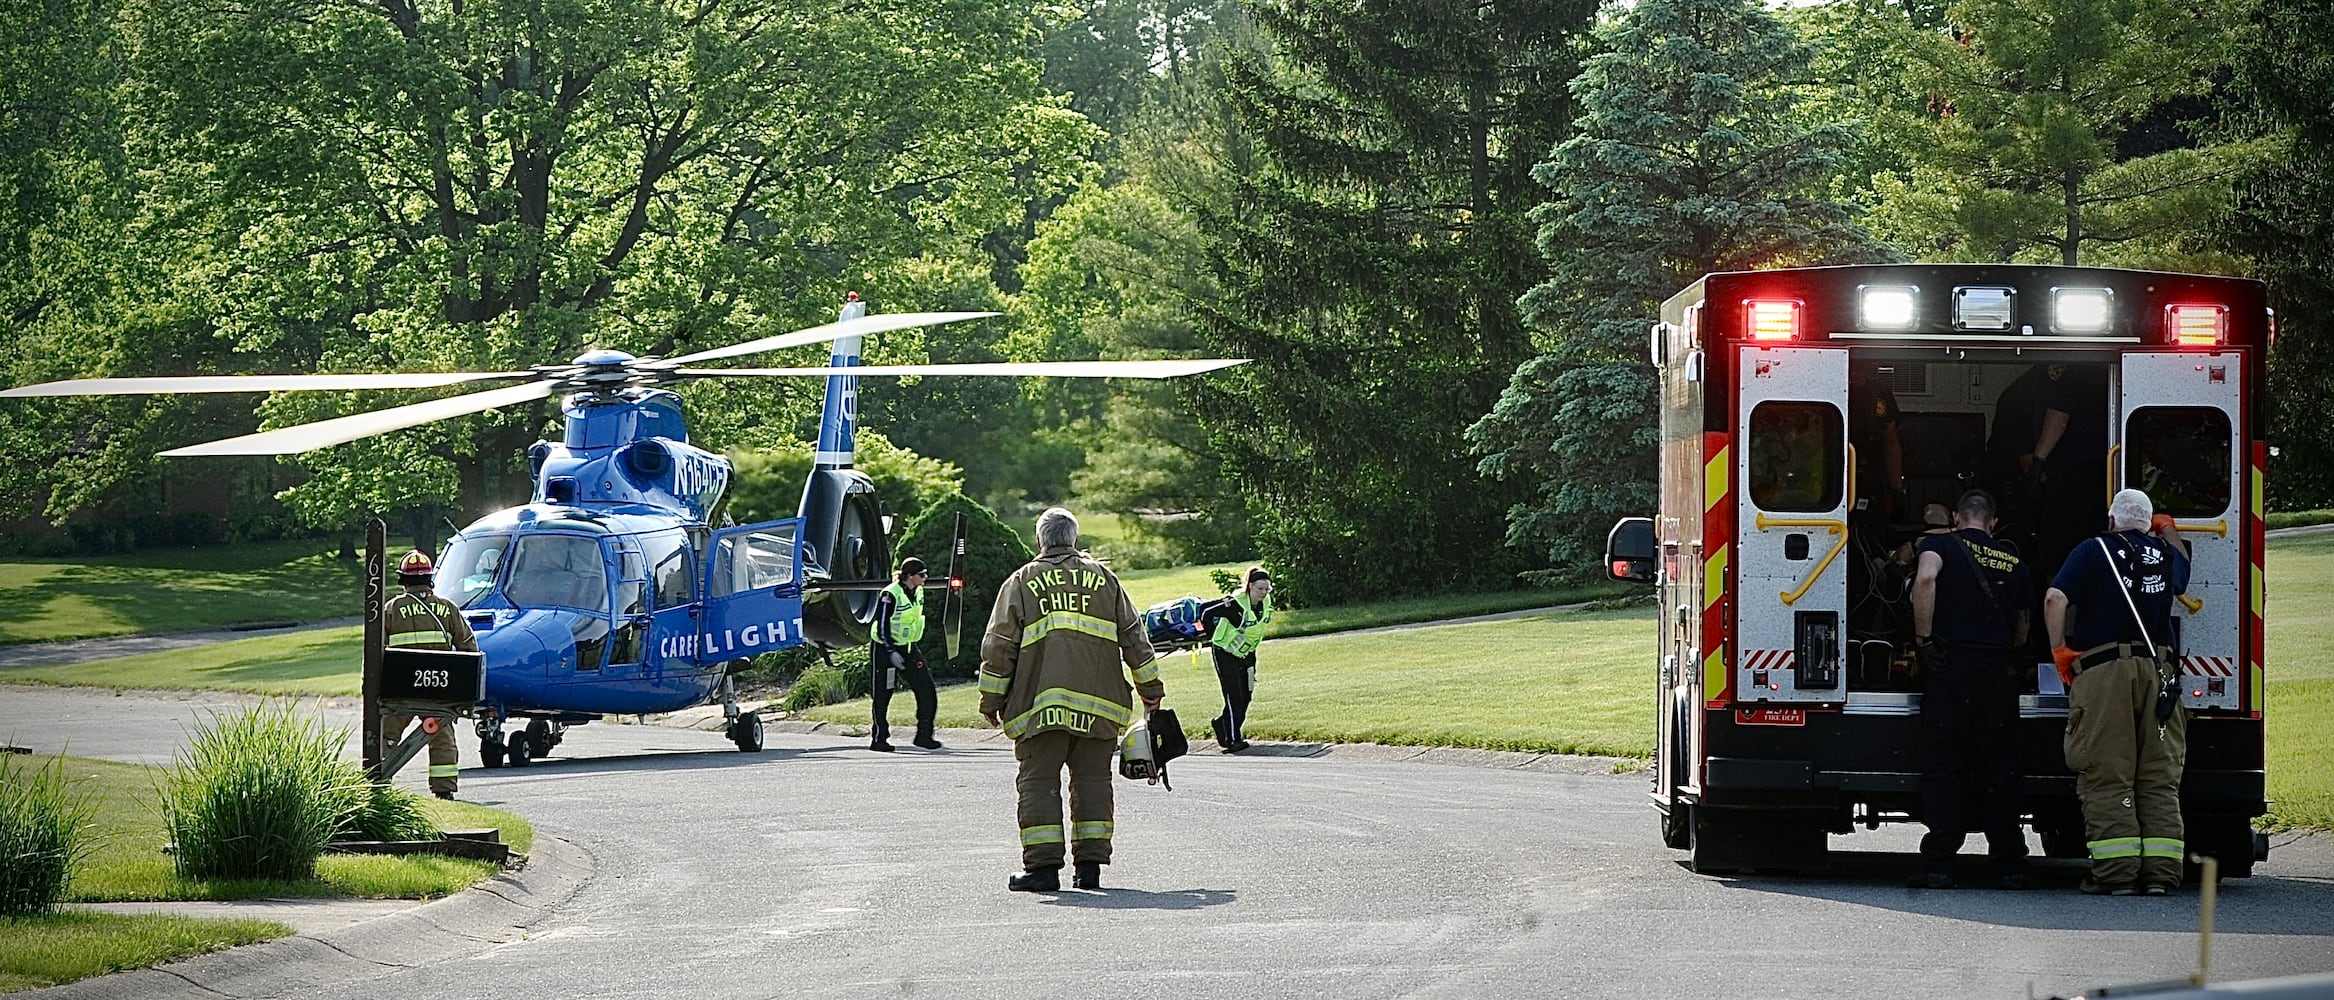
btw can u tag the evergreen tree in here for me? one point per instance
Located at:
(2061, 131)
(2281, 220)
(1370, 266)
(1689, 157)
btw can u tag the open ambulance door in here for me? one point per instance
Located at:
(2179, 422)
(1795, 473)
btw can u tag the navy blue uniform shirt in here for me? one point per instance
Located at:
(1965, 612)
(2080, 392)
(2090, 579)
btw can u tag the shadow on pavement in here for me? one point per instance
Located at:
(2271, 902)
(1138, 899)
(658, 759)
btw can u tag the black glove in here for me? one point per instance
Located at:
(2037, 473)
(1929, 653)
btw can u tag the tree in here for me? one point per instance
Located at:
(1689, 156)
(2280, 220)
(1370, 264)
(492, 186)
(2062, 131)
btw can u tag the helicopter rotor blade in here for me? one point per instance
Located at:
(253, 383)
(340, 430)
(877, 323)
(1056, 369)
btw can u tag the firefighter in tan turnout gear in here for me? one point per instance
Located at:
(2127, 736)
(419, 619)
(1054, 664)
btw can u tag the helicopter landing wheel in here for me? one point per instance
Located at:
(746, 732)
(520, 751)
(540, 739)
(489, 753)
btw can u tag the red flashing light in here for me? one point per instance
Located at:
(956, 583)
(1770, 319)
(2194, 324)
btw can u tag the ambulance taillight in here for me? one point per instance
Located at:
(2193, 324)
(1770, 319)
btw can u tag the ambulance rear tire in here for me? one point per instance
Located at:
(1677, 826)
(1767, 840)
(2063, 838)
(2229, 839)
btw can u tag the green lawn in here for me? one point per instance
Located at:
(2300, 668)
(174, 590)
(322, 661)
(1491, 684)
(128, 863)
(62, 947)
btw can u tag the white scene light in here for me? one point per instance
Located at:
(2080, 310)
(1888, 307)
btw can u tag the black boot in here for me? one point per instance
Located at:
(924, 736)
(1037, 880)
(1089, 876)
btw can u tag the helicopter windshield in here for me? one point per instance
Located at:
(566, 571)
(467, 573)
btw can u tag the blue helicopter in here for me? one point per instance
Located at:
(612, 592)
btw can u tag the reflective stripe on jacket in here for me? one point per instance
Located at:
(420, 619)
(1060, 643)
(1242, 639)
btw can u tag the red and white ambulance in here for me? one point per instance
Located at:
(1788, 710)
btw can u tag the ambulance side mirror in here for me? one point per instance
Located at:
(1630, 551)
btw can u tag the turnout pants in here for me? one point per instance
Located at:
(1969, 760)
(444, 758)
(918, 676)
(2127, 770)
(1042, 757)
(1236, 676)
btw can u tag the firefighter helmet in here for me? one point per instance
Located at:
(416, 564)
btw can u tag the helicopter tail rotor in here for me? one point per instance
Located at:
(952, 616)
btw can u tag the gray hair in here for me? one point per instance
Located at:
(1057, 527)
(2130, 509)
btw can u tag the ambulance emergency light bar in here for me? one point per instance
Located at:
(2195, 324)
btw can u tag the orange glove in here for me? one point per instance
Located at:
(2159, 523)
(2065, 658)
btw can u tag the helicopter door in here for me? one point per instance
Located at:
(753, 591)
(631, 620)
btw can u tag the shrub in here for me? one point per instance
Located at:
(258, 794)
(43, 833)
(767, 485)
(389, 813)
(992, 551)
(823, 684)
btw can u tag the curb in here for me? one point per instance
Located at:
(497, 911)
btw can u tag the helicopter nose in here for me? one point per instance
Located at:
(530, 645)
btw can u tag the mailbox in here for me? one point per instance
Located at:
(431, 681)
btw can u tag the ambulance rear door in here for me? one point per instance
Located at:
(1791, 519)
(2178, 441)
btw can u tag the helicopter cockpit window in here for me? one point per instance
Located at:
(672, 571)
(563, 571)
(468, 571)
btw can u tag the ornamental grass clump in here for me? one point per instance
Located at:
(389, 813)
(44, 831)
(258, 794)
